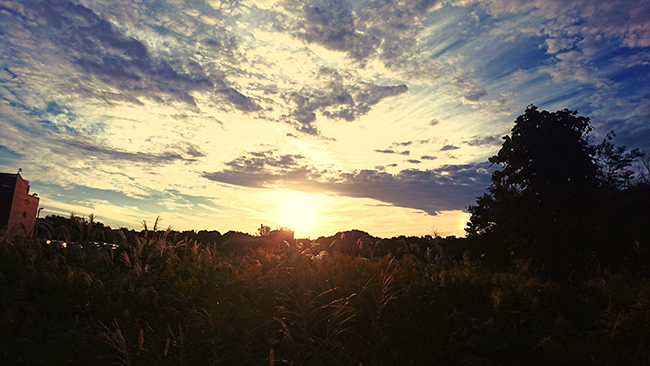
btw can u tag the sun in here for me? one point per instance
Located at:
(299, 211)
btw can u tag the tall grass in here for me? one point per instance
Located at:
(154, 300)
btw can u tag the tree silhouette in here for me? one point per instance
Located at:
(544, 197)
(615, 163)
(264, 230)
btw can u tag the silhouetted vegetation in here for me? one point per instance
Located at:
(332, 301)
(554, 272)
(561, 201)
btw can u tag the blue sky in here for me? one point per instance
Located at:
(319, 116)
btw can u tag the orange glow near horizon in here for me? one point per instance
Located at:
(300, 212)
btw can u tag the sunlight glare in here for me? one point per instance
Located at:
(300, 211)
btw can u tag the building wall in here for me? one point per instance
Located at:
(7, 185)
(23, 206)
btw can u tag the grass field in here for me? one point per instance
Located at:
(156, 301)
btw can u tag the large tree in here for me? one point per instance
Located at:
(545, 193)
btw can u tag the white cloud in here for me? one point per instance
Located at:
(141, 99)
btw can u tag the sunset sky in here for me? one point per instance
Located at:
(320, 116)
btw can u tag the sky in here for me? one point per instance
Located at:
(320, 116)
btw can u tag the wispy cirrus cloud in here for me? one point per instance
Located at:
(337, 96)
(9, 154)
(391, 151)
(67, 147)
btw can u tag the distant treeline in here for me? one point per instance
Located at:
(79, 229)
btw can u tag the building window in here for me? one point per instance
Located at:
(26, 202)
(24, 214)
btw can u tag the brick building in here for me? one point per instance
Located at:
(18, 209)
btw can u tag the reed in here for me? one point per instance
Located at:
(115, 338)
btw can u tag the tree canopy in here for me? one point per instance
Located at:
(549, 200)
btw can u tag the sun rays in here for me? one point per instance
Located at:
(299, 211)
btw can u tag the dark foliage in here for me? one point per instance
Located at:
(558, 199)
(158, 301)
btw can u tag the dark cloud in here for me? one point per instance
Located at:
(259, 162)
(484, 140)
(449, 148)
(622, 19)
(264, 169)
(428, 157)
(189, 149)
(331, 23)
(434, 122)
(444, 188)
(237, 99)
(372, 94)
(471, 91)
(124, 63)
(194, 152)
(475, 95)
(396, 23)
(407, 143)
(224, 45)
(75, 146)
(335, 98)
(385, 28)
(413, 161)
(391, 151)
